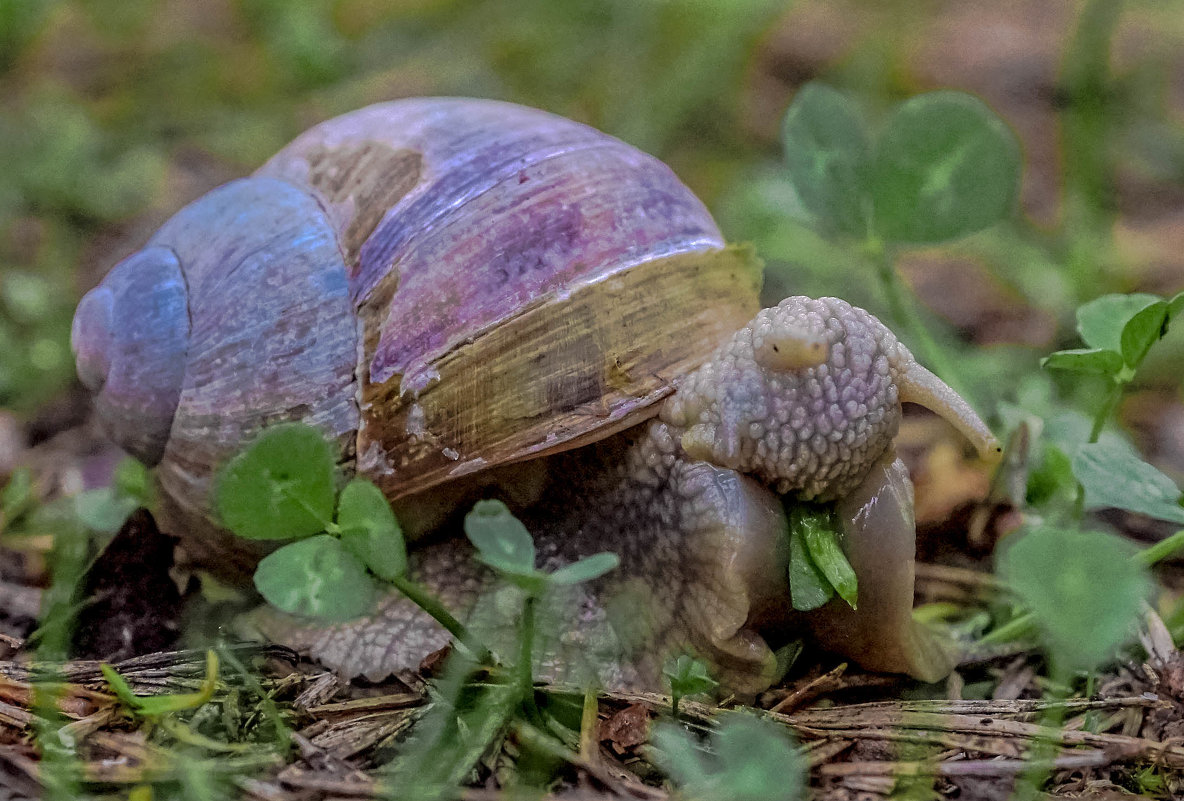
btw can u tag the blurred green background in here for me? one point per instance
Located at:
(115, 113)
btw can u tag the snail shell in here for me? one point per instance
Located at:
(440, 285)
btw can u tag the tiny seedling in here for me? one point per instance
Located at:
(686, 676)
(469, 715)
(504, 545)
(745, 759)
(818, 568)
(1119, 330)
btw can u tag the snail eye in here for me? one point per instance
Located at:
(788, 347)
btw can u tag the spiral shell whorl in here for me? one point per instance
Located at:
(130, 338)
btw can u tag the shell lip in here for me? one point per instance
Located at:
(130, 336)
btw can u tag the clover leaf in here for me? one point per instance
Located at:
(281, 486)
(1056, 574)
(945, 166)
(502, 542)
(316, 577)
(826, 153)
(370, 531)
(586, 569)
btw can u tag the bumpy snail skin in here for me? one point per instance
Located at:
(703, 570)
(811, 417)
(815, 430)
(130, 337)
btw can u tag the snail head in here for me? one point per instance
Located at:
(807, 399)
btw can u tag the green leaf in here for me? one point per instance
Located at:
(1114, 478)
(1175, 306)
(688, 676)
(808, 586)
(586, 569)
(822, 541)
(316, 577)
(674, 751)
(826, 152)
(281, 486)
(466, 718)
(1085, 360)
(370, 531)
(1101, 321)
(502, 542)
(134, 480)
(945, 166)
(1060, 575)
(17, 496)
(1142, 331)
(103, 509)
(751, 760)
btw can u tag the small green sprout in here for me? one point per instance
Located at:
(686, 676)
(370, 531)
(747, 759)
(154, 706)
(1119, 330)
(504, 545)
(817, 565)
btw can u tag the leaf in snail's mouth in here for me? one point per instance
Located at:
(818, 568)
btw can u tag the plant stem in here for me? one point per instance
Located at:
(905, 315)
(1162, 549)
(1086, 129)
(1107, 409)
(1015, 629)
(526, 655)
(1103, 414)
(425, 600)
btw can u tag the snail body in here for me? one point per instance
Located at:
(468, 297)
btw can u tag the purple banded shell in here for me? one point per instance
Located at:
(442, 285)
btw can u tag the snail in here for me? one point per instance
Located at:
(472, 298)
